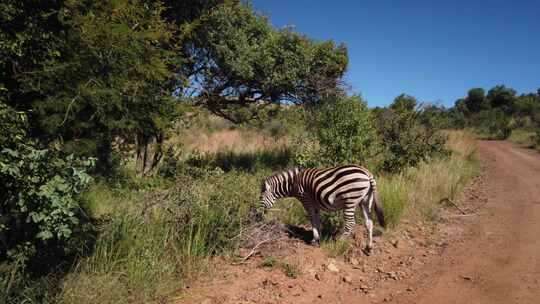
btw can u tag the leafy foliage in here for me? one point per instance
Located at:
(242, 64)
(407, 139)
(41, 217)
(496, 114)
(344, 129)
(476, 100)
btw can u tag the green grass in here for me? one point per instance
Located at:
(523, 137)
(336, 248)
(290, 270)
(152, 248)
(393, 195)
(269, 262)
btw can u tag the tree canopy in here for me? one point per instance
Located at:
(92, 74)
(241, 64)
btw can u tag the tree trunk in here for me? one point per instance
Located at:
(149, 153)
(104, 149)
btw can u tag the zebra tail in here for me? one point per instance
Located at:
(376, 204)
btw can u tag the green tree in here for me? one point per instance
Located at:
(242, 64)
(404, 102)
(476, 100)
(113, 80)
(502, 97)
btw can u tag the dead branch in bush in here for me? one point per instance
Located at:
(453, 204)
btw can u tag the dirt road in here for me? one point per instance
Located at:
(500, 263)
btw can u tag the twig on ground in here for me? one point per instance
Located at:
(453, 204)
(464, 215)
(253, 250)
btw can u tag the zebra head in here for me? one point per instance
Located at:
(278, 186)
(268, 197)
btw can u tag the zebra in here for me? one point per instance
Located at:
(330, 189)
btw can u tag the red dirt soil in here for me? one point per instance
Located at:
(489, 255)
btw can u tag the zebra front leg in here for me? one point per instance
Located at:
(369, 227)
(315, 226)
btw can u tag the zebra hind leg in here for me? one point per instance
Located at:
(348, 216)
(369, 227)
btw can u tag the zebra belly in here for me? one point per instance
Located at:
(338, 200)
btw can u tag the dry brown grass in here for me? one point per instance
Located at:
(239, 141)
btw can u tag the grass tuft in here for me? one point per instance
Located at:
(336, 248)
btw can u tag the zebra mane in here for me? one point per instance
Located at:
(294, 171)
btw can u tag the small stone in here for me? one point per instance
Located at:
(395, 243)
(392, 275)
(317, 277)
(347, 279)
(409, 289)
(332, 267)
(466, 277)
(354, 261)
(319, 296)
(364, 288)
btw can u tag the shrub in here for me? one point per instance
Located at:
(407, 139)
(344, 129)
(498, 124)
(42, 221)
(269, 261)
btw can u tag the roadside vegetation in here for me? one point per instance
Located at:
(500, 114)
(136, 134)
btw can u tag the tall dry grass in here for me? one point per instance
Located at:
(238, 141)
(418, 191)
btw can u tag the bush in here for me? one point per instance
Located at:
(42, 222)
(498, 124)
(344, 129)
(407, 140)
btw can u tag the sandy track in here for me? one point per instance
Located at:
(500, 262)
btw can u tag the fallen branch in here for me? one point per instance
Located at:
(463, 215)
(252, 252)
(453, 204)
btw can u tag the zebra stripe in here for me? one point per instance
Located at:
(331, 189)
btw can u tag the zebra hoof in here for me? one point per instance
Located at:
(367, 251)
(316, 243)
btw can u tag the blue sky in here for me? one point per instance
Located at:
(433, 50)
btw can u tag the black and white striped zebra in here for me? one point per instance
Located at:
(331, 189)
